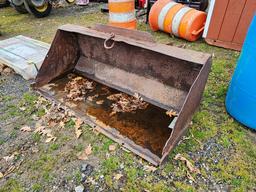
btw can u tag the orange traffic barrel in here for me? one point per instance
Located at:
(122, 13)
(177, 19)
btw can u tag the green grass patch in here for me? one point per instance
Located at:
(79, 147)
(181, 186)
(70, 124)
(54, 146)
(111, 164)
(12, 185)
(36, 187)
(106, 144)
(36, 137)
(40, 112)
(78, 176)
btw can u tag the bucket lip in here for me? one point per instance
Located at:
(179, 53)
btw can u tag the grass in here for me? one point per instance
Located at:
(12, 185)
(78, 176)
(210, 122)
(70, 124)
(36, 137)
(111, 164)
(79, 147)
(36, 187)
(54, 146)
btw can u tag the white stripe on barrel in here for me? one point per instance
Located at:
(163, 13)
(122, 17)
(177, 19)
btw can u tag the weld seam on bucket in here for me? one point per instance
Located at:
(163, 13)
(177, 20)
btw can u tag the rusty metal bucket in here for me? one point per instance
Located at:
(128, 61)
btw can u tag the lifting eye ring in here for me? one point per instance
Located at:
(112, 35)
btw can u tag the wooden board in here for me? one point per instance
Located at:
(217, 18)
(231, 20)
(229, 23)
(244, 22)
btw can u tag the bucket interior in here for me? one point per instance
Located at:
(147, 128)
(162, 80)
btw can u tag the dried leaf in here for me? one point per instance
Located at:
(62, 124)
(71, 105)
(88, 150)
(34, 150)
(149, 168)
(104, 90)
(100, 102)
(183, 139)
(46, 132)
(189, 176)
(188, 163)
(39, 129)
(2, 66)
(9, 158)
(38, 124)
(70, 114)
(136, 95)
(7, 71)
(22, 108)
(112, 147)
(91, 180)
(84, 154)
(50, 138)
(77, 88)
(95, 130)
(78, 132)
(171, 113)
(61, 100)
(118, 176)
(26, 129)
(78, 123)
(49, 86)
(34, 117)
(54, 115)
(52, 123)
(9, 170)
(125, 103)
(91, 98)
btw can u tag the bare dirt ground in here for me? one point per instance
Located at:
(40, 151)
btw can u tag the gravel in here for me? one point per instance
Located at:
(79, 188)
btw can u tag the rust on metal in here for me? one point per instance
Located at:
(166, 77)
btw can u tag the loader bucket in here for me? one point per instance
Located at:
(125, 61)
